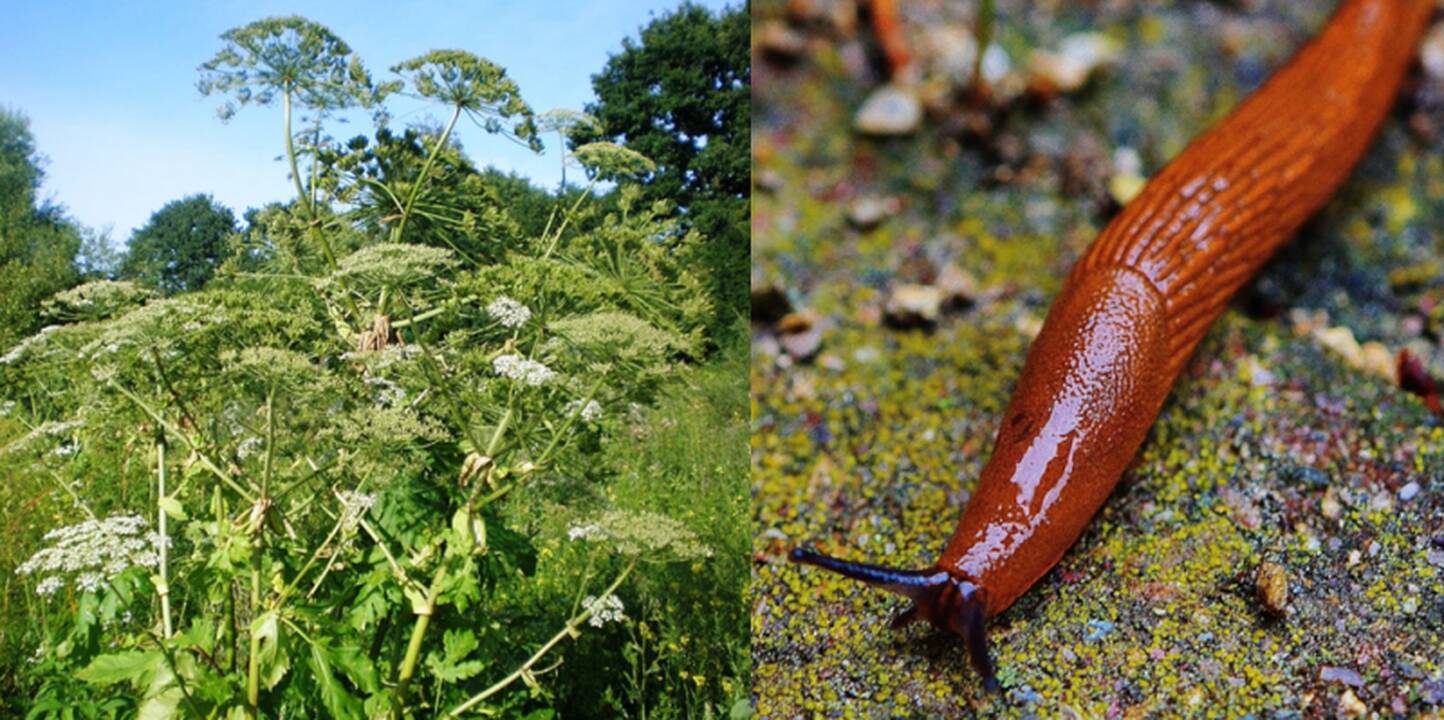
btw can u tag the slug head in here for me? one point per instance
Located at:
(948, 603)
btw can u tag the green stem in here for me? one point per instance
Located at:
(164, 588)
(311, 230)
(567, 219)
(569, 630)
(425, 174)
(413, 646)
(270, 440)
(291, 156)
(253, 664)
(194, 447)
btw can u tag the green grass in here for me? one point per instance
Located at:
(688, 653)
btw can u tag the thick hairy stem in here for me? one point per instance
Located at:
(425, 174)
(413, 646)
(163, 589)
(569, 630)
(291, 156)
(313, 217)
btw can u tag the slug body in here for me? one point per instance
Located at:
(1137, 303)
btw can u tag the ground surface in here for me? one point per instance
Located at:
(1278, 444)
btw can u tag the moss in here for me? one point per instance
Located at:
(870, 450)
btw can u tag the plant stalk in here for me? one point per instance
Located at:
(164, 589)
(425, 174)
(568, 630)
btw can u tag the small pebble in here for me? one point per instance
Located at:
(1431, 52)
(890, 110)
(780, 42)
(952, 51)
(869, 211)
(799, 335)
(996, 64)
(1350, 706)
(913, 306)
(1272, 585)
(1068, 68)
(958, 287)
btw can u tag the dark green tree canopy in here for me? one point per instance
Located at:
(181, 246)
(38, 242)
(682, 97)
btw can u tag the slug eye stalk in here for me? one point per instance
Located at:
(947, 602)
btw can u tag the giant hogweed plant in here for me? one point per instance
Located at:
(304, 494)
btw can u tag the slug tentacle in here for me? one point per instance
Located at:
(911, 584)
(950, 603)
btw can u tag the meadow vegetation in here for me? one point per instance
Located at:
(423, 441)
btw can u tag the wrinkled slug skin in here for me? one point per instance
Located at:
(1140, 299)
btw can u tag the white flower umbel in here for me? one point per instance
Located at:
(354, 505)
(94, 551)
(605, 609)
(50, 585)
(591, 412)
(586, 532)
(522, 370)
(250, 446)
(509, 312)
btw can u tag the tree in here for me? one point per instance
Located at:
(38, 242)
(181, 246)
(682, 97)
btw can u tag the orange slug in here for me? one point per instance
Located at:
(1137, 303)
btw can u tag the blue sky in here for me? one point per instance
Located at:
(110, 88)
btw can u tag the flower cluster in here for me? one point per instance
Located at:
(641, 533)
(523, 370)
(509, 312)
(591, 412)
(24, 346)
(605, 609)
(95, 551)
(354, 506)
(48, 432)
(388, 394)
(586, 532)
(250, 446)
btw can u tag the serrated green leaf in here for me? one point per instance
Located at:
(358, 666)
(451, 665)
(163, 706)
(172, 508)
(338, 701)
(134, 667)
(273, 660)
